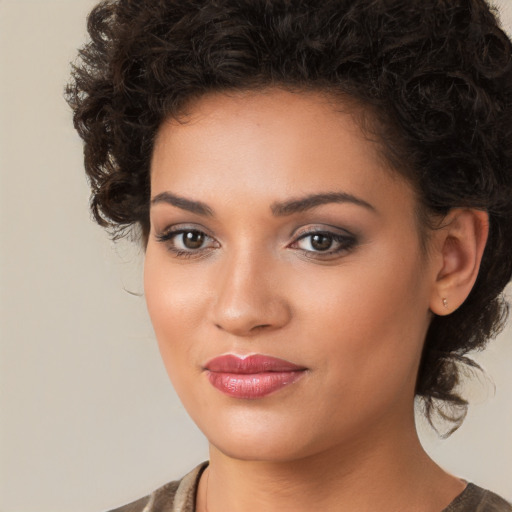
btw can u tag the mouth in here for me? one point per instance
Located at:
(251, 377)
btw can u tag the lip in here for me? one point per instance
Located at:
(251, 377)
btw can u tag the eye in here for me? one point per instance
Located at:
(323, 243)
(316, 242)
(185, 242)
(189, 240)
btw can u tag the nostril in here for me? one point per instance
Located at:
(258, 327)
(251, 329)
(243, 317)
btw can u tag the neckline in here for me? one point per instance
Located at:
(467, 491)
(191, 481)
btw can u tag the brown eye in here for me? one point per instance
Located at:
(193, 239)
(321, 242)
(324, 244)
(187, 242)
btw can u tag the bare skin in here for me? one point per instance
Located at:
(238, 262)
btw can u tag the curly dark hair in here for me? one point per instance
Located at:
(436, 76)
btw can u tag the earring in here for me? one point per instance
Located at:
(445, 303)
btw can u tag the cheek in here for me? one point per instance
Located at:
(175, 304)
(173, 292)
(368, 319)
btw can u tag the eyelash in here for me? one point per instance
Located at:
(170, 235)
(345, 243)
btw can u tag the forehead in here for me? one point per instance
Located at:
(273, 143)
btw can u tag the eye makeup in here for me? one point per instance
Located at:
(314, 242)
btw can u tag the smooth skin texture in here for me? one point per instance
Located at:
(276, 229)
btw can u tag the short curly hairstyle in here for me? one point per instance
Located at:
(435, 75)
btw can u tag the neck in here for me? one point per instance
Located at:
(378, 472)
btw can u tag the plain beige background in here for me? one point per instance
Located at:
(88, 419)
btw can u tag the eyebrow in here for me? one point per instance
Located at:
(279, 209)
(185, 204)
(312, 201)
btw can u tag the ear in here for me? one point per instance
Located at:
(458, 246)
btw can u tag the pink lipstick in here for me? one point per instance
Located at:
(251, 377)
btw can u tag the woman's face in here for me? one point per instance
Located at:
(277, 232)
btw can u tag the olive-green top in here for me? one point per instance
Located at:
(180, 496)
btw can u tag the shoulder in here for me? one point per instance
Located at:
(476, 499)
(173, 496)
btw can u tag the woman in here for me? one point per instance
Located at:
(324, 193)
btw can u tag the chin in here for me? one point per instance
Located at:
(259, 450)
(261, 437)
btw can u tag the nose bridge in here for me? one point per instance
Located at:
(247, 299)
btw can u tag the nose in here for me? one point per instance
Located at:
(248, 298)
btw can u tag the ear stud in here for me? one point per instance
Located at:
(445, 303)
